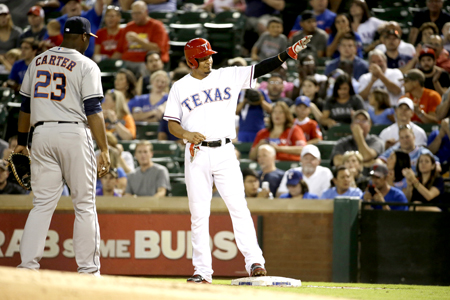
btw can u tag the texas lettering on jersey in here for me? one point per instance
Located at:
(59, 61)
(205, 97)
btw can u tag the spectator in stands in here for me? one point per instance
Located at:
(73, 8)
(126, 160)
(318, 44)
(36, 19)
(316, 176)
(109, 184)
(54, 36)
(353, 161)
(150, 107)
(434, 13)
(446, 36)
(407, 145)
(341, 27)
(306, 66)
(167, 5)
(10, 34)
(426, 31)
(347, 50)
(29, 49)
(345, 67)
(251, 185)
(149, 179)
(108, 36)
(116, 164)
(380, 191)
(310, 128)
(369, 145)
(442, 55)
(341, 105)
(439, 144)
(153, 63)
(310, 89)
(364, 24)
(12, 143)
(379, 76)
(271, 42)
(298, 188)
(324, 16)
(396, 162)
(275, 88)
(251, 109)
(118, 119)
(7, 187)
(141, 35)
(342, 185)
(269, 172)
(436, 78)
(286, 87)
(218, 6)
(403, 48)
(391, 39)
(125, 82)
(381, 111)
(428, 186)
(8, 60)
(425, 100)
(287, 139)
(403, 112)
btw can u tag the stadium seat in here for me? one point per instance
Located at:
(186, 32)
(190, 17)
(225, 39)
(325, 148)
(325, 163)
(244, 148)
(336, 132)
(377, 129)
(129, 146)
(107, 80)
(429, 127)
(147, 131)
(249, 164)
(7, 95)
(165, 149)
(399, 14)
(111, 65)
(126, 17)
(178, 189)
(3, 78)
(171, 165)
(233, 17)
(162, 16)
(286, 165)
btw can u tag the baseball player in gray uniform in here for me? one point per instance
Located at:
(61, 94)
(201, 110)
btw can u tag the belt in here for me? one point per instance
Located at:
(59, 122)
(214, 144)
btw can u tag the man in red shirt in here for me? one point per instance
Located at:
(141, 35)
(425, 100)
(310, 127)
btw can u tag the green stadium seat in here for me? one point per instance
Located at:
(225, 38)
(429, 127)
(147, 131)
(162, 16)
(111, 65)
(176, 177)
(186, 32)
(399, 14)
(325, 148)
(107, 80)
(336, 132)
(178, 189)
(249, 164)
(7, 95)
(165, 149)
(126, 17)
(3, 78)
(129, 145)
(325, 163)
(377, 129)
(171, 165)
(244, 148)
(190, 17)
(233, 17)
(286, 165)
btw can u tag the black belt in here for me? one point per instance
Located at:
(215, 143)
(59, 122)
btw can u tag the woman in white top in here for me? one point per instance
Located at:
(365, 25)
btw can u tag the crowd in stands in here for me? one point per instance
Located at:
(381, 81)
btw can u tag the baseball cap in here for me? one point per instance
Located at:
(78, 25)
(37, 11)
(311, 149)
(415, 75)
(294, 177)
(406, 101)
(393, 32)
(361, 112)
(379, 170)
(308, 14)
(3, 164)
(303, 100)
(4, 9)
(427, 52)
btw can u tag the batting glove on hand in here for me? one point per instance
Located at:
(299, 46)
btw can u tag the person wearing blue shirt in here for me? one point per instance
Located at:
(29, 48)
(298, 188)
(380, 191)
(251, 107)
(342, 181)
(324, 16)
(439, 144)
(164, 133)
(109, 184)
(94, 15)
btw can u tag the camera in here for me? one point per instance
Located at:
(371, 189)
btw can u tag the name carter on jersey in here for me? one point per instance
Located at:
(52, 61)
(194, 101)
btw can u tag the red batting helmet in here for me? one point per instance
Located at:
(197, 48)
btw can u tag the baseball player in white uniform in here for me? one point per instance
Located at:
(61, 94)
(201, 110)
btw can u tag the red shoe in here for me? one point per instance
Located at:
(197, 279)
(257, 270)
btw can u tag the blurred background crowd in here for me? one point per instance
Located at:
(363, 111)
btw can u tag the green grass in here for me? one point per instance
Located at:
(361, 291)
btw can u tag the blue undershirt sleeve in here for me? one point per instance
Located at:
(25, 107)
(92, 106)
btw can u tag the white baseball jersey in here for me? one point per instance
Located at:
(64, 79)
(208, 106)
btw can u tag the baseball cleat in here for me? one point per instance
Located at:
(197, 279)
(257, 270)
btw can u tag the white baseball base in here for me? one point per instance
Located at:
(267, 281)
